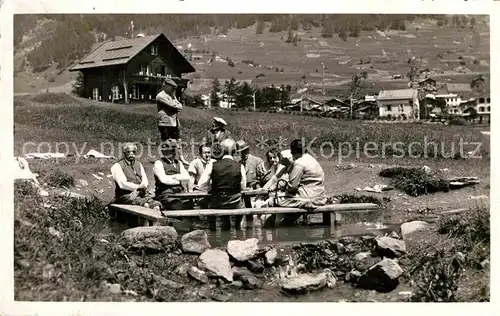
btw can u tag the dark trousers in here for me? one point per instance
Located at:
(169, 132)
(225, 202)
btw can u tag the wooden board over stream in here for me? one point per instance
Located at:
(150, 217)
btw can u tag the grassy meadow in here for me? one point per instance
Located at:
(57, 259)
(53, 118)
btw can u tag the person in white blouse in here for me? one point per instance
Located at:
(170, 177)
(131, 181)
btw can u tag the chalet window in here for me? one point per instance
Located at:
(488, 100)
(116, 92)
(389, 108)
(95, 93)
(481, 100)
(488, 108)
(154, 50)
(481, 109)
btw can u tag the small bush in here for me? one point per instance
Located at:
(414, 181)
(59, 179)
(352, 198)
(458, 121)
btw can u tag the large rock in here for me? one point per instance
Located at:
(217, 262)
(304, 283)
(382, 277)
(195, 242)
(156, 238)
(390, 247)
(198, 274)
(250, 281)
(271, 256)
(415, 226)
(365, 260)
(243, 250)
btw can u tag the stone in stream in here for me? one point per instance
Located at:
(255, 266)
(156, 238)
(382, 277)
(217, 262)
(302, 283)
(250, 281)
(113, 288)
(415, 226)
(390, 247)
(197, 274)
(195, 242)
(168, 283)
(243, 250)
(271, 256)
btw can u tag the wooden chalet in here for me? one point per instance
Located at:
(132, 69)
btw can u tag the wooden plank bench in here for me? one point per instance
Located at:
(145, 216)
(151, 217)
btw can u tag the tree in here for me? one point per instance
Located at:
(214, 97)
(414, 71)
(472, 22)
(356, 87)
(244, 95)
(343, 34)
(260, 27)
(327, 29)
(290, 36)
(230, 89)
(78, 86)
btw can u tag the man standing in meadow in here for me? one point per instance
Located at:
(131, 182)
(168, 111)
(215, 136)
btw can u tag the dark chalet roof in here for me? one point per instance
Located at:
(121, 52)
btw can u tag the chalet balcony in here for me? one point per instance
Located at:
(155, 79)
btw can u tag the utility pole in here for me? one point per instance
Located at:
(323, 85)
(132, 28)
(253, 97)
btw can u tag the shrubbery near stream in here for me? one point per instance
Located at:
(60, 255)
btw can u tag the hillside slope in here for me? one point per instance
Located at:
(448, 52)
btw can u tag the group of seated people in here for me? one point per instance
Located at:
(224, 168)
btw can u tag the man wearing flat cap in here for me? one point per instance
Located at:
(215, 136)
(170, 177)
(168, 110)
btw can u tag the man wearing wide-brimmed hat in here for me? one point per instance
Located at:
(254, 166)
(170, 177)
(215, 136)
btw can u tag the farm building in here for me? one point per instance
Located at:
(454, 94)
(132, 69)
(401, 103)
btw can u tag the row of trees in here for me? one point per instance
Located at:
(243, 95)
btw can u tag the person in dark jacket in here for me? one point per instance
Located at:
(215, 136)
(225, 179)
(170, 177)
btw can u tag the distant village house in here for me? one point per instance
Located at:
(401, 103)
